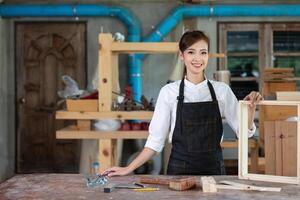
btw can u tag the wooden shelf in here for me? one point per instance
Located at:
(234, 144)
(72, 132)
(151, 47)
(138, 115)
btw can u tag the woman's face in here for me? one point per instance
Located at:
(195, 57)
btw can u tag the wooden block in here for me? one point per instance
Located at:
(288, 96)
(178, 183)
(84, 125)
(208, 184)
(155, 180)
(278, 70)
(87, 105)
(183, 183)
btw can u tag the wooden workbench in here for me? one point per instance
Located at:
(72, 186)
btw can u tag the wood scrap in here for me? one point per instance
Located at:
(177, 183)
(278, 74)
(209, 185)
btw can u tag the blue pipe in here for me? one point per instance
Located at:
(179, 13)
(87, 10)
(162, 29)
(210, 11)
(76, 10)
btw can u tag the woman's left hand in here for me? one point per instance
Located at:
(254, 98)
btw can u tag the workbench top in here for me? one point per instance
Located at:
(72, 186)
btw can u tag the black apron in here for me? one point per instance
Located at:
(196, 138)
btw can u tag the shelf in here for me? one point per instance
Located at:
(151, 47)
(234, 144)
(244, 79)
(71, 132)
(146, 47)
(138, 115)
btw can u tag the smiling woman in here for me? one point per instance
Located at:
(189, 112)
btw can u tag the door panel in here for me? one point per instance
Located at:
(45, 52)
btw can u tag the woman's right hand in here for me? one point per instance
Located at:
(116, 171)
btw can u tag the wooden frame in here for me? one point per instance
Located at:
(243, 144)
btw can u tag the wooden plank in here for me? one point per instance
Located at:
(275, 112)
(278, 149)
(254, 158)
(270, 167)
(151, 47)
(143, 115)
(145, 47)
(105, 72)
(298, 145)
(175, 183)
(288, 96)
(289, 148)
(234, 144)
(115, 76)
(241, 186)
(73, 133)
(243, 140)
(270, 178)
(275, 103)
(106, 154)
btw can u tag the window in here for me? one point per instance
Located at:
(286, 48)
(258, 46)
(241, 46)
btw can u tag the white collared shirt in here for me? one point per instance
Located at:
(164, 117)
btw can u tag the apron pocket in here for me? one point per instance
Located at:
(201, 135)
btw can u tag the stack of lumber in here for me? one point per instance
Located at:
(278, 74)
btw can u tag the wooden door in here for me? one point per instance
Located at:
(45, 52)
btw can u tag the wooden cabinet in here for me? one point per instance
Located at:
(281, 148)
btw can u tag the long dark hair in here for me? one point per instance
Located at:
(189, 38)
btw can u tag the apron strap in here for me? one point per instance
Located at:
(212, 91)
(180, 99)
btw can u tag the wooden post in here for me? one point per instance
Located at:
(298, 144)
(105, 72)
(243, 140)
(105, 68)
(254, 158)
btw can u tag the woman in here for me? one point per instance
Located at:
(192, 108)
